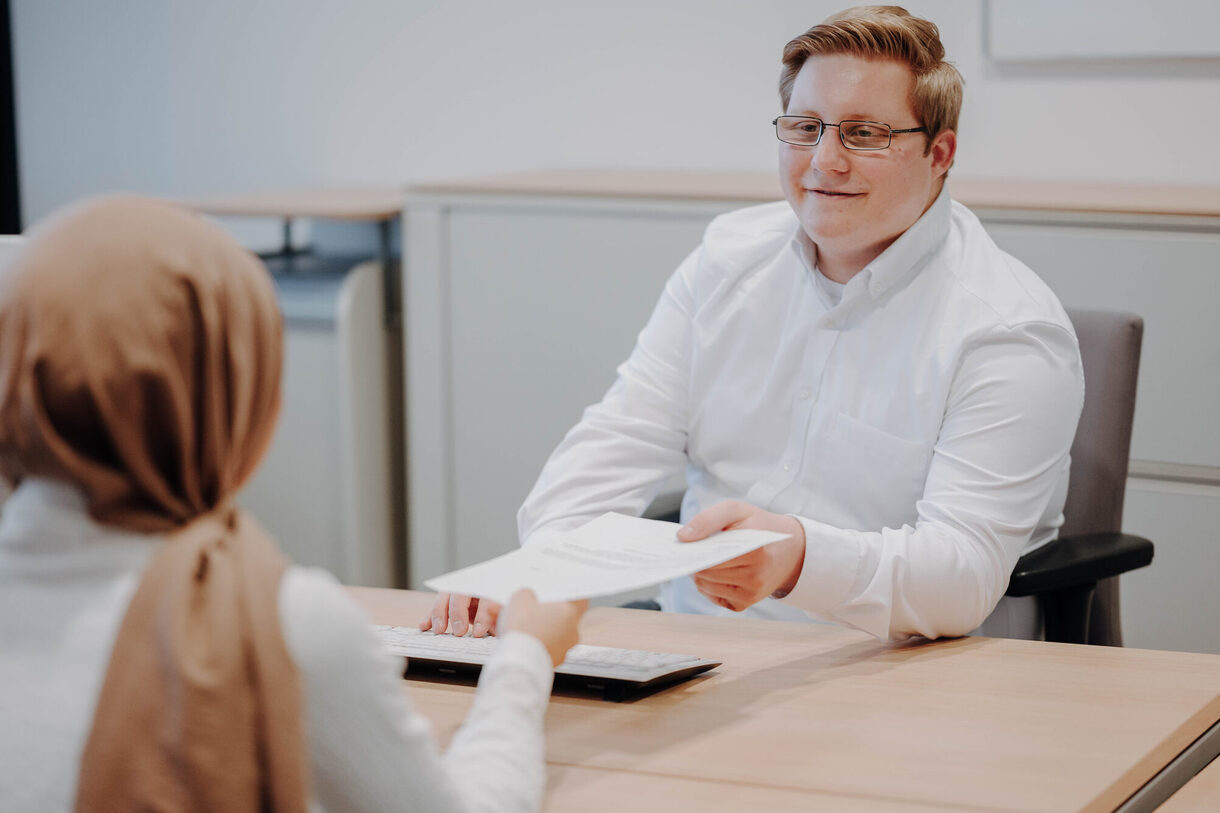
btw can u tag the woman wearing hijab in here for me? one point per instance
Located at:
(156, 650)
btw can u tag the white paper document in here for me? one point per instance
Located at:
(612, 554)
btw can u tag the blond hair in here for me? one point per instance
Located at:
(885, 32)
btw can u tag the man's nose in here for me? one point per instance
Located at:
(829, 155)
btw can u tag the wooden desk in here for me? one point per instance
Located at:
(373, 204)
(805, 717)
(369, 205)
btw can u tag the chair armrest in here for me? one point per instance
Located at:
(1078, 560)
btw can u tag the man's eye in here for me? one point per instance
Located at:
(864, 132)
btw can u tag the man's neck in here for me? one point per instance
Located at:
(840, 267)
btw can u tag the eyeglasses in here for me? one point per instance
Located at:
(806, 131)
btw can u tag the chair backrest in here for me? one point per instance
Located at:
(1110, 344)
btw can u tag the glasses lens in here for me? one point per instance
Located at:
(798, 130)
(865, 135)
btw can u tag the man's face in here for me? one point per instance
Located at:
(853, 204)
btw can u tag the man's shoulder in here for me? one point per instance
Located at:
(999, 283)
(738, 240)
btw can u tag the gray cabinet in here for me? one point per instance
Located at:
(517, 313)
(324, 490)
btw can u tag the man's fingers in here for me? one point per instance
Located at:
(713, 586)
(741, 564)
(486, 618)
(720, 516)
(727, 596)
(715, 589)
(738, 578)
(438, 617)
(734, 571)
(459, 613)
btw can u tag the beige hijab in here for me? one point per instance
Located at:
(140, 354)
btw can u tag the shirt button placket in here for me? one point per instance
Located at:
(820, 346)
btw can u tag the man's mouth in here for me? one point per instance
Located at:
(832, 194)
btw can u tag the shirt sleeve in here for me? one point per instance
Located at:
(369, 750)
(625, 447)
(1001, 454)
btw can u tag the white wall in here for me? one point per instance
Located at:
(190, 98)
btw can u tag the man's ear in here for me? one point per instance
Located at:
(943, 149)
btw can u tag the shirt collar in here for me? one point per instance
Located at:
(904, 254)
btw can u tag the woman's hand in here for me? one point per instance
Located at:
(555, 624)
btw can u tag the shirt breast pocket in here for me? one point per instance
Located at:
(866, 478)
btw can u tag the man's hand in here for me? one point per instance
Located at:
(455, 613)
(748, 579)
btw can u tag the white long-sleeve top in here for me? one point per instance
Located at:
(65, 583)
(918, 426)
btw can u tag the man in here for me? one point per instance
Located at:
(859, 367)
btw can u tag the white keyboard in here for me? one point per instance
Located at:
(634, 666)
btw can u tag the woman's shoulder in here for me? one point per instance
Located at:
(324, 629)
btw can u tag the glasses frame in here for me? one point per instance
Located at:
(839, 127)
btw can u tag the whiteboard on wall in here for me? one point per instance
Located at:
(1053, 30)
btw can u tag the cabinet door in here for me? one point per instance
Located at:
(1172, 280)
(544, 306)
(295, 493)
(324, 488)
(1173, 603)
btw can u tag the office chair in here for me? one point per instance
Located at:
(1076, 576)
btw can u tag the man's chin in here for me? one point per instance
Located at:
(824, 230)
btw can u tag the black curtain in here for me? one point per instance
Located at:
(10, 196)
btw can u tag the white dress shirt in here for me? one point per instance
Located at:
(65, 583)
(918, 425)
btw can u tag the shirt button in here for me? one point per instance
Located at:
(787, 467)
(804, 394)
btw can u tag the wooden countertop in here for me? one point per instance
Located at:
(747, 187)
(337, 204)
(591, 183)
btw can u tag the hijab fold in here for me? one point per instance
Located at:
(140, 356)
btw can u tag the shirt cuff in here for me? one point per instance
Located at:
(524, 654)
(831, 569)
